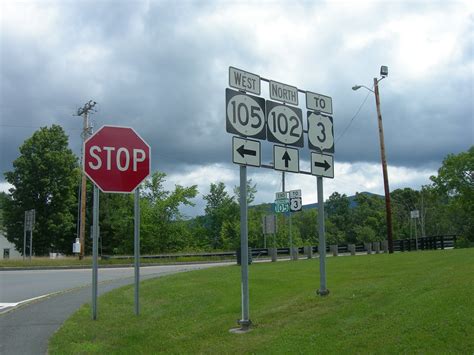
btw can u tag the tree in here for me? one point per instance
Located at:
(455, 182)
(339, 219)
(44, 178)
(162, 227)
(220, 208)
(251, 191)
(3, 202)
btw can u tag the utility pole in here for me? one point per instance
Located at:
(86, 132)
(388, 208)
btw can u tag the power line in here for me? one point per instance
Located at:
(353, 117)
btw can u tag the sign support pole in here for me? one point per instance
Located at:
(31, 242)
(244, 262)
(95, 237)
(24, 239)
(137, 250)
(291, 241)
(323, 291)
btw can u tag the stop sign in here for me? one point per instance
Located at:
(116, 159)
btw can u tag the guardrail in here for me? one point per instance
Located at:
(401, 245)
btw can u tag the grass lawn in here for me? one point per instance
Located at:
(406, 302)
(87, 261)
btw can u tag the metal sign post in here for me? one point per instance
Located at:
(28, 226)
(95, 248)
(116, 159)
(323, 291)
(24, 238)
(245, 321)
(137, 250)
(281, 122)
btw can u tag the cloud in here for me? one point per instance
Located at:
(162, 68)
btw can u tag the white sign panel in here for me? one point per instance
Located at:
(415, 214)
(245, 151)
(286, 159)
(269, 224)
(280, 195)
(320, 132)
(245, 114)
(318, 102)
(296, 204)
(295, 193)
(322, 165)
(284, 93)
(243, 80)
(284, 124)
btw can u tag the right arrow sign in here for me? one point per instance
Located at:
(322, 165)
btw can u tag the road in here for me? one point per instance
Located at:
(27, 325)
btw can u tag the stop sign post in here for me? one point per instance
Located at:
(116, 159)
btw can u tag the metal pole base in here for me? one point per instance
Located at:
(244, 327)
(322, 292)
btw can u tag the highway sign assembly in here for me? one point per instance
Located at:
(245, 114)
(249, 116)
(320, 132)
(296, 204)
(284, 124)
(242, 80)
(284, 93)
(245, 151)
(322, 165)
(286, 159)
(282, 205)
(318, 102)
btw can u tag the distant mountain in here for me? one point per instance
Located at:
(352, 202)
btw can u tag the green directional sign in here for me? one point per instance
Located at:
(282, 206)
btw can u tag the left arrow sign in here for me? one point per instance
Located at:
(245, 151)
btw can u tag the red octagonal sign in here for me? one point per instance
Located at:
(116, 159)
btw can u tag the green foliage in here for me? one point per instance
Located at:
(251, 191)
(455, 183)
(44, 178)
(3, 202)
(162, 227)
(221, 208)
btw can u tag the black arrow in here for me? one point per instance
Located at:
(242, 151)
(324, 165)
(286, 158)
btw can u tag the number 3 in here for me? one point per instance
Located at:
(323, 132)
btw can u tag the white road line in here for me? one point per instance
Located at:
(4, 306)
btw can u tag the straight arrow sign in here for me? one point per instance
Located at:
(286, 159)
(322, 165)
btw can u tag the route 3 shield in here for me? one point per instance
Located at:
(320, 132)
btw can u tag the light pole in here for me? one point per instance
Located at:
(388, 208)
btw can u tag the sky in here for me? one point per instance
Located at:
(162, 67)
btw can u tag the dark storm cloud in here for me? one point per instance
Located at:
(160, 68)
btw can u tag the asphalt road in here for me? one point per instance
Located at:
(27, 328)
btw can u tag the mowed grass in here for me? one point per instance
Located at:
(419, 302)
(69, 261)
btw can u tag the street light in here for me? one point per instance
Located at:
(388, 209)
